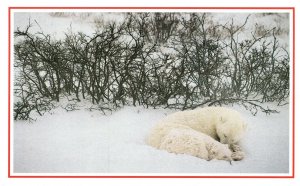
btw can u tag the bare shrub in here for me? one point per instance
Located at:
(173, 60)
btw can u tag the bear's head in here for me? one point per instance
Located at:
(220, 152)
(230, 130)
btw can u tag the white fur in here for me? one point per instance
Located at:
(222, 124)
(183, 140)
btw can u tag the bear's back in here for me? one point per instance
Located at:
(202, 120)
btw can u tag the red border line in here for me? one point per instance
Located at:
(9, 70)
(279, 177)
(161, 8)
(157, 8)
(293, 96)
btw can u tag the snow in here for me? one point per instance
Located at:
(82, 141)
(58, 26)
(86, 22)
(256, 21)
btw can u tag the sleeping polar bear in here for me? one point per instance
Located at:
(222, 124)
(184, 140)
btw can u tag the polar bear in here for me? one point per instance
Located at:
(223, 124)
(184, 140)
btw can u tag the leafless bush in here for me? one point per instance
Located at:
(152, 59)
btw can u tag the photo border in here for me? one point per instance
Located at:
(151, 8)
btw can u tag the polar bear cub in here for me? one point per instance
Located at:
(223, 124)
(183, 140)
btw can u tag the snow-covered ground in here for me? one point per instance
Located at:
(89, 142)
(58, 25)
